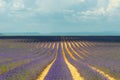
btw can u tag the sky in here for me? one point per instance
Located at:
(59, 16)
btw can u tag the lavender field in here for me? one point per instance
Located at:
(60, 58)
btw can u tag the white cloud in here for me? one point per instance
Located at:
(100, 11)
(96, 9)
(112, 9)
(13, 7)
(79, 1)
(2, 5)
(102, 3)
(113, 4)
(56, 5)
(17, 5)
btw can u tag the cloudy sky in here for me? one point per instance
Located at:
(51, 16)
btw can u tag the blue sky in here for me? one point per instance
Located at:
(51, 16)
